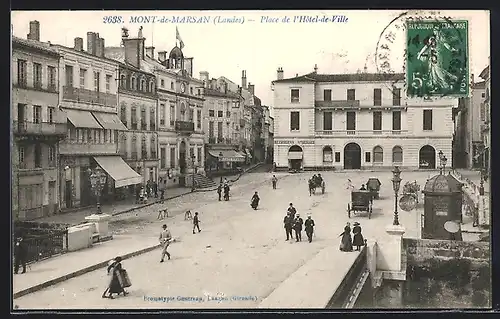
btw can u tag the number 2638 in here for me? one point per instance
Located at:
(112, 19)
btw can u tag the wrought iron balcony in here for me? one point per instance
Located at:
(41, 128)
(337, 103)
(361, 132)
(211, 140)
(88, 96)
(184, 126)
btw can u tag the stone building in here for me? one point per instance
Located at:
(485, 118)
(38, 125)
(267, 134)
(356, 121)
(467, 142)
(89, 99)
(179, 108)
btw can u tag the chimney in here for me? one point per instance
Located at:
(315, 68)
(34, 31)
(251, 88)
(244, 79)
(280, 73)
(78, 44)
(150, 52)
(91, 42)
(99, 47)
(162, 56)
(132, 51)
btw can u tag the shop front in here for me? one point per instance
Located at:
(224, 162)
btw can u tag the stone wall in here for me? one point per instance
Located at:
(447, 274)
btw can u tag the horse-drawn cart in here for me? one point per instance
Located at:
(361, 201)
(316, 183)
(373, 185)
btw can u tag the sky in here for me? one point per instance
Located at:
(259, 41)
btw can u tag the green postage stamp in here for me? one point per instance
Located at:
(437, 61)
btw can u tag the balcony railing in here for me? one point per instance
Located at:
(88, 96)
(361, 132)
(133, 125)
(144, 154)
(144, 126)
(337, 103)
(153, 155)
(69, 147)
(133, 155)
(220, 140)
(42, 128)
(211, 140)
(184, 126)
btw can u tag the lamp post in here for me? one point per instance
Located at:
(192, 165)
(396, 181)
(97, 181)
(442, 161)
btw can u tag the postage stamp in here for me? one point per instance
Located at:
(437, 62)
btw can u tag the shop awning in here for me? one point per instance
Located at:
(227, 155)
(109, 121)
(116, 167)
(294, 155)
(82, 119)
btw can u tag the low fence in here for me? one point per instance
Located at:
(348, 284)
(42, 240)
(474, 204)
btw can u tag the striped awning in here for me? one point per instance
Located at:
(82, 119)
(109, 121)
(227, 155)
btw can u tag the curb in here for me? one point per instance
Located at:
(213, 188)
(78, 273)
(147, 205)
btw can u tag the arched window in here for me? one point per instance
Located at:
(134, 147)
(153, 146)
(171, 85)
(123, 145)
(151, 87)
(143, 85)
(123, 81)
(378, 154)
(123, 113)
(133, 83)
(397, 154)
(327, 154)
(144, 150)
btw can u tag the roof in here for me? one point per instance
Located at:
(84, 52)
(355, 77)
(442, 184)
(41, 46)
(479, 85)
(212, 92)
(484, 73)
(177, 52)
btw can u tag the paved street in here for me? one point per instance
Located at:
(240, 252)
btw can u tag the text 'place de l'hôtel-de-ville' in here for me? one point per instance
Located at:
(135, 115)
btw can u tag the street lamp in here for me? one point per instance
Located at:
(97, 180)
(442, 161)
(192, 165)
(396, 181)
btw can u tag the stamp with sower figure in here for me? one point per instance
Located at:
(437, 61)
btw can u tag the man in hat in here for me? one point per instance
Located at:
(20, 252)
(297, 226)
(363, 188)
(219, 191)
(165, 238)
(292, 210)
(196, 222)
(358, 239)
(274, 181)
(309, 226)
(288, 222)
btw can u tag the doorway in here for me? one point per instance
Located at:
(352, 156)
(295, 155)
(68, 190)
(182, 157)
(52, 197)
(427, 157)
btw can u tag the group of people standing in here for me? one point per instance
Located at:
(293, 221)
(347, 241)
(223, 187)
(142, 193)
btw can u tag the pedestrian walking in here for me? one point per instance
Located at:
(309, 226)
(274, 181)
(20, 254)
(357, 239)
(219, 191)
(346, 241)
(118, 281)
(226, 191)
(165, 238)
(196, 222)
(297, 226)
(155, 189)
(292, 210)
(288, 223)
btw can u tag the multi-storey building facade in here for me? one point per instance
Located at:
(467, 143)
(270, 152)
(258, 146)
(89, 99)
(266, 134)
(222, 123)
(485, 118)
(38, 126)
(354, 121)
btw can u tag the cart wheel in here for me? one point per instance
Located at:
(348, 211)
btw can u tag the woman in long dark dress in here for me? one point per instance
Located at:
(358, 239)
(346, 241)
(114, 286)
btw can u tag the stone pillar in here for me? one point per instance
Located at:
(390, 249)
(101, 222)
